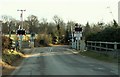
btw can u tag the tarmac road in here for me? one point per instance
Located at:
(59, 60)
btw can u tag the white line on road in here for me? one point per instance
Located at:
(116, 72)
(83, 56)
(100, 68)
(91, 65)
(50, 49)
(75, 52)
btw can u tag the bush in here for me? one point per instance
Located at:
(6, 42)
(44, 39)
(9, 56)
(109, 34)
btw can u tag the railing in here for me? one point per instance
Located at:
(110, 48)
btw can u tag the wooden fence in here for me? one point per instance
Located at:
(110, 48)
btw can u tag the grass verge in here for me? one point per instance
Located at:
(10, 60)
(100, 56)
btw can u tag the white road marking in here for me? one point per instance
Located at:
(50, 49)
(83, 56)
(100, 68)
(92, 70)
(91, 65)
(116, 72)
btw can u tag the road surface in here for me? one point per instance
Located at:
(59, 60)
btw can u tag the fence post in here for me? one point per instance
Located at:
(115, 45)
(95, 45)
(79, 44)
(86, 46)
(100, 46)
(106, 48)
(115, 48)
(76, 44)
(91, 45)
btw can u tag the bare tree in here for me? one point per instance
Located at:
(60, 27)
(9, 24)
(33, 23)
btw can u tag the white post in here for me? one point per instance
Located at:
(115, 49)
(91, 45)
(82, 45)
(77, 37)
(77, 44)
(100, 46)
(115, 45)
(95, 46)
(75, 40)
(20, 42)
(72, 40)
(106, 47)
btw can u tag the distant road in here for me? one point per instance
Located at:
(59, 60)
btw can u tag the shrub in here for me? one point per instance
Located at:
(6, 42)
(109, 34)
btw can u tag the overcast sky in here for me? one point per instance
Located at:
(79, 11)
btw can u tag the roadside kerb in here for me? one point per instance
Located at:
(74, 51)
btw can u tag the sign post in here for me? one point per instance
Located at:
(20, 33)
(77, 37)
(20, 42)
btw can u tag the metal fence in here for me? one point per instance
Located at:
(110, 48)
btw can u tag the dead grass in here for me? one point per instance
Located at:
(8, 69)
(10, 61)
(56, 45)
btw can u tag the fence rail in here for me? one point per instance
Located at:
(110, 48)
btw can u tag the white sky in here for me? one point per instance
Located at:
(79, 11)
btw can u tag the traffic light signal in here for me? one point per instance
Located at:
(21, 31)
(78, 29)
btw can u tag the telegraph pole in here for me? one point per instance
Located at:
(21, 17)
(21, 36)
